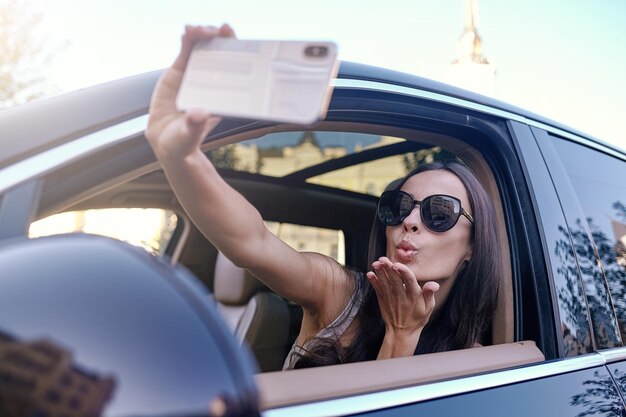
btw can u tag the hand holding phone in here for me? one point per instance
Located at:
(283, 81)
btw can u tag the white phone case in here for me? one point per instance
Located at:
(283, 81)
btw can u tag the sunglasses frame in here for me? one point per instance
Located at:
(419, 203)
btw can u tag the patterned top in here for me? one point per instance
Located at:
(333, 330)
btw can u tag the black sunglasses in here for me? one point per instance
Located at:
(439, 212)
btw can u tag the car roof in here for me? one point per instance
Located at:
(34, 127)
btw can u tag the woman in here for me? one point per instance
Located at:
(433, 252)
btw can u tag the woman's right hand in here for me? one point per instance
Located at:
(223, 215)
(171, 133)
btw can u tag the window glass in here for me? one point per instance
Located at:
(328, 242)
(150, 229)
(598, 180)
(284, 153)
(373, 177)
(280, 154)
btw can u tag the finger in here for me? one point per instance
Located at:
(408, 278)
(192, 34)
(373, 279)
(227, 31)
(197, 117)
(379, 270)
(389, 269)
(395, 278)
(386, 262)
(430, 288)
(198, 124)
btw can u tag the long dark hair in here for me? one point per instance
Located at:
(463, 320)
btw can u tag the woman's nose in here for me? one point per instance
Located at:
(413, 220)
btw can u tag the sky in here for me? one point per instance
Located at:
(563, 59)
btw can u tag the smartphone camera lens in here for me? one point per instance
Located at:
(316, 51)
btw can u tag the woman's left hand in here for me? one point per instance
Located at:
(405, 306)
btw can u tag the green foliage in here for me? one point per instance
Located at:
(426, 156)
(223, 157)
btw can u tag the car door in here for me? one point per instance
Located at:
(580, 393)
(547, 296)
(549, 293)
(590, 179)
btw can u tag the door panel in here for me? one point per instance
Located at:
(618, 371)
(572, 320)
(589, 392)
(594, 201)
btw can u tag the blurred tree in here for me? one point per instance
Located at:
(426, 156)
(22, 55)
(224, 157)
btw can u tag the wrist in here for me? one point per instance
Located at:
(191, 158)
(402, 333)
(399, 343)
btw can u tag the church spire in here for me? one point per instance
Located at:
(470, 44)
(470, 16)
(471, 69)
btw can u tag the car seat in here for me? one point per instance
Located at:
(256, 315)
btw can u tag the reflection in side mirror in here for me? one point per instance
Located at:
(93, 326)
(42, 377)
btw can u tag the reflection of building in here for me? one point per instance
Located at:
(371, 177)
(441, 205)
(471, 70)
(305, 154)
(39, 379)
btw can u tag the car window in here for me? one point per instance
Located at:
(373, 177)
(315, 191)
(284, 153)
(148, 228)
(280, 154)
(598, 180)
(328, 242)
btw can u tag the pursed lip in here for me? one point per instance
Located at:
(406, 251)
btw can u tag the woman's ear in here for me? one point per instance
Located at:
(468, 255)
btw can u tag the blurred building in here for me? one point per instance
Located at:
(39, 379)
(471, 70)
(278, 161)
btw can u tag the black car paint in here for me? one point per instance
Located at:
(141, 332)
(538, 197)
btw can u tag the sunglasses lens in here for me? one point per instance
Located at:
(440, 213)
(394, 207)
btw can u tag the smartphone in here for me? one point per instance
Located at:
(282, 81)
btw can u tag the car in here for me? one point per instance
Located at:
(176, 329)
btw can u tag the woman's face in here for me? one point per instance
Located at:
(430, 255)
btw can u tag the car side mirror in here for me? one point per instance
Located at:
(93, 326)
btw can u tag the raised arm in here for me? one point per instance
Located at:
(232, 224)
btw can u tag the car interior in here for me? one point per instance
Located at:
(301, 181)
